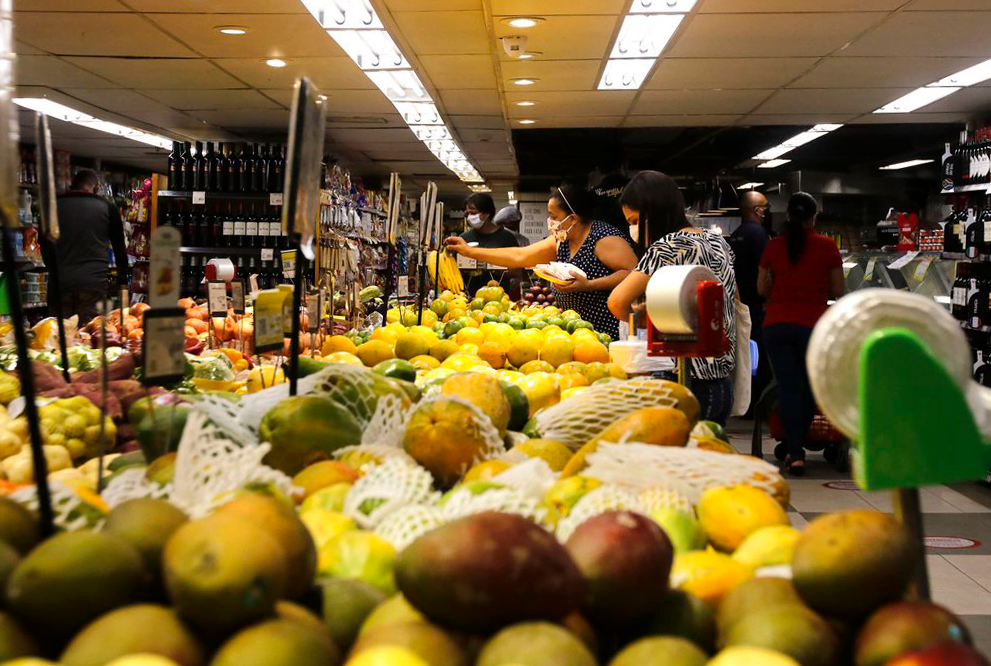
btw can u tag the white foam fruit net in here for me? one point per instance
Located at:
(533, 477)
(575, 421)
(387, 488)
(464, 502)
(604, 498)
(410, 523)
(689, 472)
(365, 457)
(210, 467)
(67, 507)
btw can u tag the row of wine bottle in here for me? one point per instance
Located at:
(967, 230)
(232, 167)
(227, 224)
(192, 273)
(969, 163)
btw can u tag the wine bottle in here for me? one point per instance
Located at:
(209, 164)
(219, 169)
(228, 227)
(257, 169)
(239, 227)
(235, 170)
(186, 177)
(198, 169)
(245, 176)
(175, 165)
(251, 227)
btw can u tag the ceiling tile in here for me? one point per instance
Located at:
(769, 35)
(360, 120)
(974, 101)
(869, 72)
(680, 121)
(408, 151)
(553, 75)
(552, 104)
(89, 34)
(962, 34)
(556, 7)
(947, 5)
(161, 73)
(791, 6)
(417, 166)
(432, 5)
(482, 135)
(326, 73)
(807, 120)
(344, 102)
(430, 33)
(459, 72)
(69, 6)
(567, 37)
(270, 36)
(582, 121)
(471, 102)
(727, 73)
(220, 7)
(22, 48)
(910, 118)
(478, 122)
(54, 72)
(247, 118)
(833, 100)
(661, 102)
(385, 135)
(117, 100)
(212, 99)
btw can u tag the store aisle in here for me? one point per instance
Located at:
(957, 520)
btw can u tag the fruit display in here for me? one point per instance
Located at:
(449, 275)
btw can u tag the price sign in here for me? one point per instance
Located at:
(287, 303)
(268, 320)
(903, 261)
(275, 199)
(847, 267)
(922, 269)
(869, 272)
(199, 198)
(163, 346)
(268, 254)
(466, 262)
(163, 274)
(217, 298)
(313, 303)
(289, 263)
(237, 297)
(403, 286)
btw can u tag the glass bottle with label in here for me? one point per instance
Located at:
(251, 227)
(175, 165)
(958, 295)
(981, 370)
(974, 235)
(188, 163)
(198, 169)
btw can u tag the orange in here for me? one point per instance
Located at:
(343, 357)
(485, 471)
(616, 371)
(472, 336)
(572, 380)
(589, 351)
(424, 362)
(385, 335)
(493, 353)
(375, 351)
(468, 348)
(542, 390)
(557, 350)
(523, 350)
(338, 343)
(531, 367)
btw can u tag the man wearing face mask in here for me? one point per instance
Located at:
(483, 229)
(748, 243)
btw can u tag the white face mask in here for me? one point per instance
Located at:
(475, 221)
(635, 232)
(554, 226)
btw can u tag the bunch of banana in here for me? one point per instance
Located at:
(450, 274)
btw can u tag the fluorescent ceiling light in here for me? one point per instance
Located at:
(431, 132)
(524, 82)
(749, 186)
(527, 121)
(771, 164)
(529, 55)
(511, 194)
(339, 14)
(525, 103)
(400, 85)
(419, 113)
(232, 30)
(278, 63)
(69, 115)
(796, 141)
(662, 6)
(524, 21)
(917, 99)
(625, 74)
(968, 77)
(905, 165)
(370, 49)
(773, 153)
(645, 35)
(480, 188)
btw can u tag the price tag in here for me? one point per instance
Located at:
(313, 303)
(163, 346)
(237, 296)
(199, 198)
(847, 267)
(287, 303)
(903, 261)
(403, 286)
(268, 320)
(165, 264)
(275, 199)
(217, 298)
(922, 269)
(289, 263)
(869, 271)
(268, 254)
(466, 262)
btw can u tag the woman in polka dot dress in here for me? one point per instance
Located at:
(603, 252)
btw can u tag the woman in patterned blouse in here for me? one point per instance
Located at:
(604, 253)
(653, 203)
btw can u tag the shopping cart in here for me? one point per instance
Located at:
(822, 435)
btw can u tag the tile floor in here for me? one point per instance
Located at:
(957, 518)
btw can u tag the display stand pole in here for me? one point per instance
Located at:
(908, 509)
(104, 390)
(422, 284)
(390, 277)
(50, 229)
(297, 306)
(40, 465)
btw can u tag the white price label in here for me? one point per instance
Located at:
(403, 286)
(237, 297)
(217, 298)
(165, 266)
(228, 227)
(869, 272)
(199, 198)
(922, 269)
(268, 254)
(313, 310)
(164, 347)
(903, 261)
(466, 262)
(275, 199)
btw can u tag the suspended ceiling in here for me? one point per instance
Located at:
(161, 65)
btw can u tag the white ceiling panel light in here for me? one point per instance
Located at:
(800, 139)
(357, 28)
(480, 188)
(70, 115)
(749, 186)
(772, 164)
(922, 97)
(645, 33)
(277, 63)
(906, 165)
(524, 21)
(971, 76)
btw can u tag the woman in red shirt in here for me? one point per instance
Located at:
(799, 273)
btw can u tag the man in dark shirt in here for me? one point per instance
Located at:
(480, 210)
(88, 225)
(748, 243)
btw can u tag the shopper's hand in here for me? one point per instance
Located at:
(578, 284)
(456, 244)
